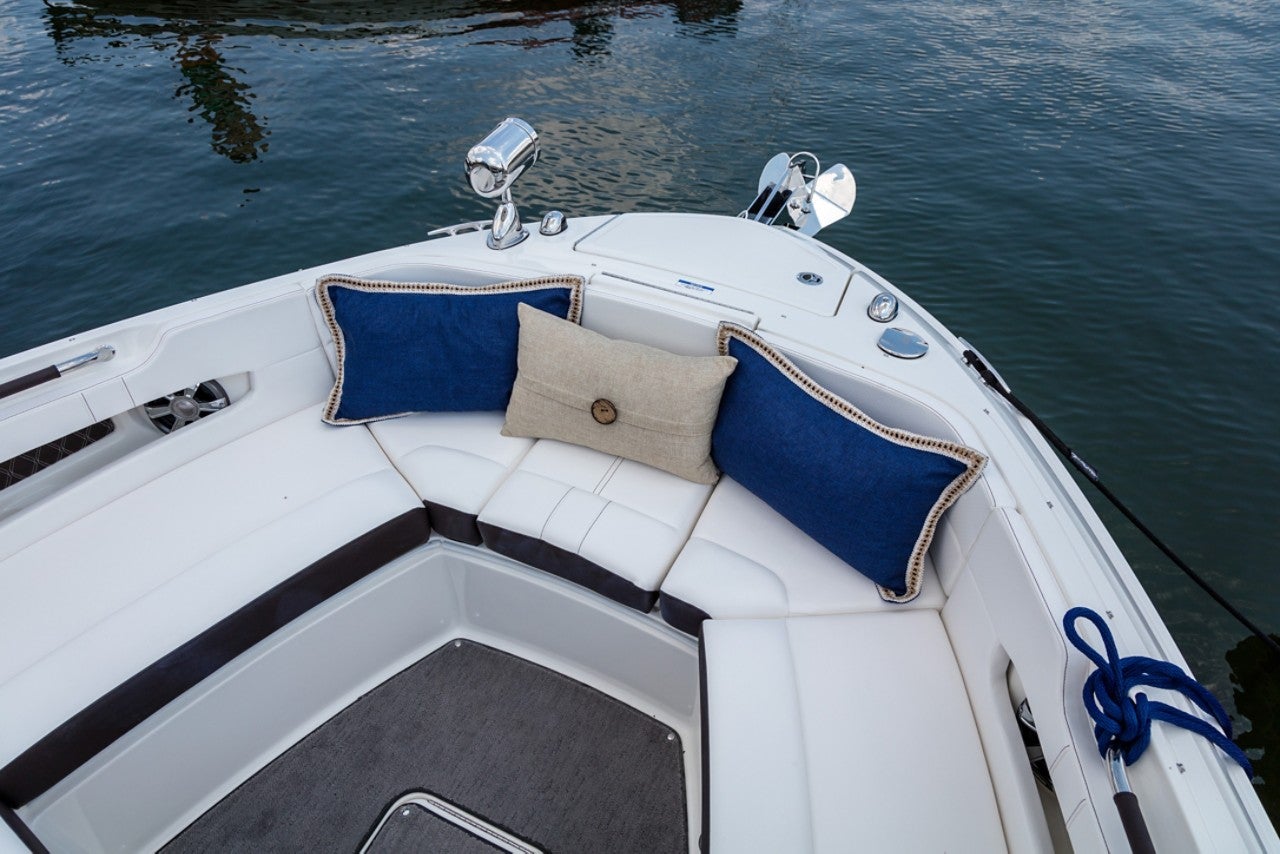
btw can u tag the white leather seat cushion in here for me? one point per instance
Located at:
(111, 591)
(626, 517)
(745, 560)
(842, 733)
(456, 459)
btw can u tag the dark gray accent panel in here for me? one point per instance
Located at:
(22, 831)
(568, 565)
(412, 829)
(36, 460)
(704, 838)
(453, 524)
(679, 613)
(525, 748)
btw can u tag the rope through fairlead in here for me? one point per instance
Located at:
(974, 361)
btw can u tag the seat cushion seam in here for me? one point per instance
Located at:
(547, 521)
(800, 728)
(608, 475)
(592, 524)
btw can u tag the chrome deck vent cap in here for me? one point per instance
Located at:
(902, 343)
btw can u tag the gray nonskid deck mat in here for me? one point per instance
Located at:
(546, 758)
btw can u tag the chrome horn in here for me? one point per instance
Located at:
(493, 165)
(813, 199)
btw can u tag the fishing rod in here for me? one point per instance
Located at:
(989, 377)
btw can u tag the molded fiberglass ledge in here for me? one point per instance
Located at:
(732, 255)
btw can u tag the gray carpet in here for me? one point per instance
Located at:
(548, 759)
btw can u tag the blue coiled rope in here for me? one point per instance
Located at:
(1124, 723)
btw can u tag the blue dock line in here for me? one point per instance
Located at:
(1124, 723)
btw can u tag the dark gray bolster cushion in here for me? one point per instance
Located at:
(454, 524)
(557, 561)
(679, 613)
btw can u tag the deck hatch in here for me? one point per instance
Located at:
(731, 257)
(421, 821)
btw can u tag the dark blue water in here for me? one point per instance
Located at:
(1088, 191)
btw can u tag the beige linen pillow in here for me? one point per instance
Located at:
(618, 397)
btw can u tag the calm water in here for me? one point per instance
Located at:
(1088, 191)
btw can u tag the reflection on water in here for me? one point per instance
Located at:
(192, 31)
(222, 100)
(1256, 690)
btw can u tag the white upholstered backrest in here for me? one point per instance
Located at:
(684, 333)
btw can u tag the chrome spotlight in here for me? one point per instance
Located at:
(493, 165)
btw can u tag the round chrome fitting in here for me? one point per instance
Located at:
(902, 343)
(883, 308)
(552, 223)
(807, 278)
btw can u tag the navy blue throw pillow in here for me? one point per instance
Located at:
(404, 347)
(870, 494)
